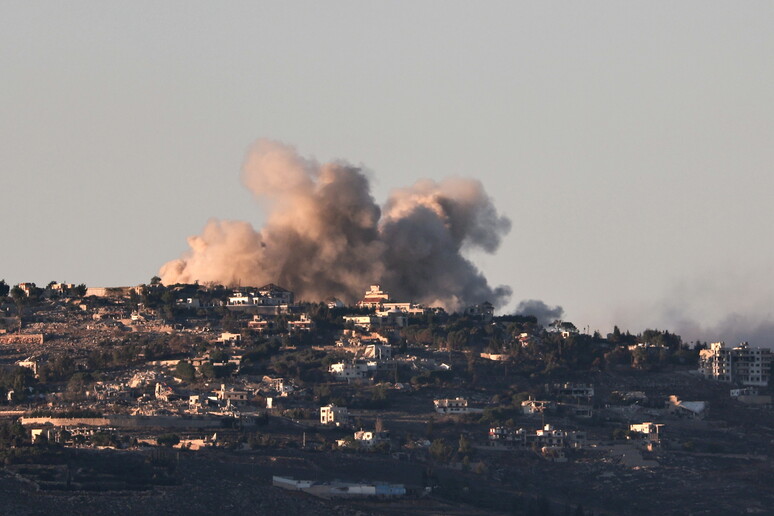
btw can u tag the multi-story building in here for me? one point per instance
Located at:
(742, 364)
(333, 415)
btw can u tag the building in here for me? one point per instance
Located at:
(453, 406)
(333, 415)
(302, 324)
(275, 295)
(572, 390)
(229, 337)
(231, 395)
(280, 385)
(351, 370)
(377, 351)
(649, 431)
(191, 303)
(750, 396)
(260, 324)
(548, 436)
(370, 438)
(687, 409)
(483, 311)
(742, 364)
(530, 406)
(30, 363)
(374, 298)
(364, 322)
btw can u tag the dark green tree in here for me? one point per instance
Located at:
(168, 440)
(185, 371)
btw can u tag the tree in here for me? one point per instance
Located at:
(464, 445)
(208, 370)
(80, 290)
(168, 440)
(18, 294)
(185, 371)
(439, 450)
(4, 288)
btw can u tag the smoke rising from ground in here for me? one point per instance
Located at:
(545, 314)
(326, 236)
(719, 305)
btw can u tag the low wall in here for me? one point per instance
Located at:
(127, 421)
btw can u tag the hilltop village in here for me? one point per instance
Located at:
(200, 399)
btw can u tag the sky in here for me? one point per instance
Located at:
(629, 143)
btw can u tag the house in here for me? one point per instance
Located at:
(260, 324)
(377, 351)
(411, 309)
(48, 433)
(743, 364)
(370, 438)
(526, 340)
(547, 436)
(496, 357)
(575, 410)
(572, 390)
(229, 337)
(334, 302)
(30, 363)
(239, 298)
(275, 295)
(280, 385)
(530, 406)
(374, 298)
(231, 395)
(452, 406)
(302, 324)
(565, 328)
(393, 318)
(351, 370)
(333, 415)
(483, 311)
(649, 431)
(751, 396)
(687, 409)
(365, 322)
(27, 288)
(163, 392)
(191, 303)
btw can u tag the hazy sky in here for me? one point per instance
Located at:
(631, 144)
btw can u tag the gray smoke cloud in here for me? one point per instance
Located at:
(716, 305)
(545, 314)
(326, 236)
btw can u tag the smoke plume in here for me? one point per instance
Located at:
(545, 314)
(326, 236)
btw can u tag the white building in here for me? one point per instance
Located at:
(230, 337)
(452, 406)
(351, 370)
(742, 364)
